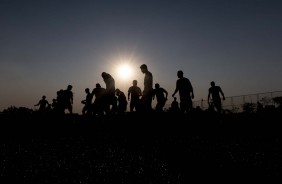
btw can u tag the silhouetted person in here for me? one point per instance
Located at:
(54, 103)
(161, 95)
(49, 108)
(87, 102)
(186, 93)
(110, 92)
(211, 107)
(54, 106)
(99, 104)
(43, 104)
(174, 107)
(59, 105)
(215, 92)
(68, 99)
(122, 102)
(259, 107)
(148, 89)
(134, 92)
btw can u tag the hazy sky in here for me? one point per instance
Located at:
(47, 44)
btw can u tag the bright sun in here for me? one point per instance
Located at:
(124, 71)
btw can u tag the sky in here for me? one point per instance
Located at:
(46, 45)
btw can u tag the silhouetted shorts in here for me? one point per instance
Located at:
(186, 105)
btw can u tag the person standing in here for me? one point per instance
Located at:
(43, 103)
(68, 98)
(98, 106)
(215, 92)
(134, 93)
(148, 89)
(186, 93)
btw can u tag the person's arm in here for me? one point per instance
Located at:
(192, 91)
(93, 93)
(176, 90)
(209, 96)
(192, 94)
(128, 94)
(221, 92)
(166, 93)
(71, 98)
(140, 92)
(37, 104)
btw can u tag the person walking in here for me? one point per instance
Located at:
(134, 93)
(215, 92)
(148, 89)
(186, 93)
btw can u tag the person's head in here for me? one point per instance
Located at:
(69, 87)
(98, 85)
(157, 85)
(117, 91)
(44, 97)
(212, 83)
(134, 82)
(180, 74)
(175, 98)
(143, 68)
(87, 90)
(104, 75)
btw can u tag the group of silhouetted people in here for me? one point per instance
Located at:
(111, 100)
(62, 102)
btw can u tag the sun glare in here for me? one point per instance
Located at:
(124, 71)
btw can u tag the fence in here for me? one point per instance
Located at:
(235, 103)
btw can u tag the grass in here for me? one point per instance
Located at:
(140, 148)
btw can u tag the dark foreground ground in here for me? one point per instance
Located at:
(140, 148)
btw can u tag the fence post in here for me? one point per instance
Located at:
(202, 105)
